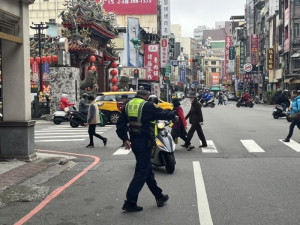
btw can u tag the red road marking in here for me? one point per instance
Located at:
(57, 191)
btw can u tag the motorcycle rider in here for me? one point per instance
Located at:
(83, 104)
(245, 98)
(283, 100)
(64, 103)
(206, 97)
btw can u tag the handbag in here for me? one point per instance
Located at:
(296, 115)
(101, 124)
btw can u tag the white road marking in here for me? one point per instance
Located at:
(203, 206)
(251, 146)
(47, 131)
(293, 145)
(38, 134)
(60, 140)
(211, 148)
(73, 136)
(122, 151)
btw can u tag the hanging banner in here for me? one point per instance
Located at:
(152, 62)
(183, 72)
(35, 72)
(228, 43)
(254, 49)
(164, 52)
(270, 59)
(165, 18)
(242, 56)
(46, 71)
(130, 7)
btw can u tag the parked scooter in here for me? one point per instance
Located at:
(163, 151)
(249, 103)
(279, 112)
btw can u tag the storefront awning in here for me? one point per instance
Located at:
(295, 55)
(215, 89)
(287, 80)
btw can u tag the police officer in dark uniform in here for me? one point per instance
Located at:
(137, 117)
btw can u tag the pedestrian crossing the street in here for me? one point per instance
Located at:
(66, 133)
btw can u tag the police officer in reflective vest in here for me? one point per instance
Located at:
(137, 117)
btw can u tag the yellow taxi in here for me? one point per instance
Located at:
(112, 104)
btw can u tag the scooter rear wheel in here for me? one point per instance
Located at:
(74, 124)
(170, 163)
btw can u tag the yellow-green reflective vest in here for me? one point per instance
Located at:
(134, 108)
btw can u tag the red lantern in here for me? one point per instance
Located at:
(114, 80)
(92, 59)
(54, 58)
(31, 60)
(38, 60)
(49, 59)
(114, 88)
(113, 73)
(114, 64)
(92, 68)
(44, 59)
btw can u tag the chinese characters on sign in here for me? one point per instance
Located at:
(254, 49)
(237, 62)
(152, 62)
(228, 43)
(165, 18)
(242, 56)
(131, 7)
(215, 78)
(183, 72)
(270, 59)
(164, 52)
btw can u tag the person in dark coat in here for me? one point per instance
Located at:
(179, 127)
(196, 120)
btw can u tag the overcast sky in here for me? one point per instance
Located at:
(192, 13)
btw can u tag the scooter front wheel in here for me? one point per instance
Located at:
(56, 121)
(170, 163)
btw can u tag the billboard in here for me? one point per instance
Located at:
(152, 62)
(254, 49)
(130, 7)
(214, 78)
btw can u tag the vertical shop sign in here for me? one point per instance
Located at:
(152, 62)
(254, 49)
(215, 77)
(165, 18)
(237, 62)
(270, 59)
(228, 43)
(164, 52)
(183, 72)
(242, 56)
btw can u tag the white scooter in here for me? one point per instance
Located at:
(163, 151)
(62, 116)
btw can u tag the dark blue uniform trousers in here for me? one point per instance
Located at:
(143, 170)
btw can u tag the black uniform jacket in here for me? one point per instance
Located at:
(150, 112)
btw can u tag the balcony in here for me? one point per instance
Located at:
(260, 4)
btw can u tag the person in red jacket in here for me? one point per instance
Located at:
(179, 127)
(245, 97)
(64, 102)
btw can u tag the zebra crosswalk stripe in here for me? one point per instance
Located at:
(251, 146)
(211, 148)
(293, 145)
(122, 151)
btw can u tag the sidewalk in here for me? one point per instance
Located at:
(13, 172)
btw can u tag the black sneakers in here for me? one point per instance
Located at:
(131, 207)
(286, 140)
(90, 146)
(162, 200)
(105, 141)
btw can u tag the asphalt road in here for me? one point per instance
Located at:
(246, 176)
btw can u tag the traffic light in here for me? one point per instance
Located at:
(193, 60)
(136, 42)
(136, 73)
